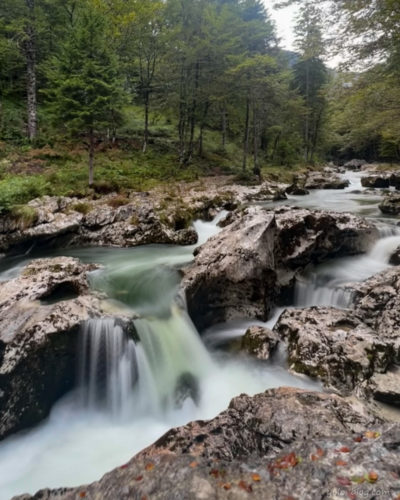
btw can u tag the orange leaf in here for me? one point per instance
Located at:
(341, 463)
(149, 466)
(256, 477)
(82, 494)
(227, 486)
(343, 449)
(372, 435)
(193, 464)
(372, 477)
(245, 486)
(214, 472)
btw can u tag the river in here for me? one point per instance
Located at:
(128, 393)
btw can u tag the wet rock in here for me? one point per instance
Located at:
(334, 346)
(395, 180)
(395, 257)
(386, 387)
(233, 275)
(376, 181)
(39, 327)
(305, 236)
(241, 271)
(390, 205)
(377, 302)
(285, 443)
(259, 342)
(318, 180)
(355, 164)
(296, 190)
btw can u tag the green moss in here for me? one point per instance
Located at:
(24, 215)
(82, 207)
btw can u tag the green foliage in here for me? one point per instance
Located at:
(17, 190)
(24, 215)
(82, 207)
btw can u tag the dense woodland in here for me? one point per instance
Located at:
(147, 89)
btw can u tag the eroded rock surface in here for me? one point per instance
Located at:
(259, 342)
(284, 443)
(390, 205)
(325, 180)
(41, 313)
(241, 271)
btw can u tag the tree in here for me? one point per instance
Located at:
(86, 92)
(310, 75)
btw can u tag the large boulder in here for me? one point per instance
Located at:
(394, 259)
(376, 181)
(355, 164)
(334, 346)
(234, 272)
(285, 443)
(325, 180)
(395, 180)
(241, 271)
(41, 313)
(259, 342)
(390, 205)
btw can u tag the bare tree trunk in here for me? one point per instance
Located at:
(146, 120)
(256, 168)
(91, 156)
(30, 56)
(246, 135)
(193, 115)
(182, 116)
(275, 148)
(202, 125)
(224, 128)
(307, 121)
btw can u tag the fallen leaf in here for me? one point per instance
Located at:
(357, 479)
(82, 494)
(214, 472)
(358, 439)
(227, 486)
(149, 467)
(351, 495)
(372, 477)
(138, 478)
(245, 486)
(372, 435)
(256, 477)
(125, 466)
(318, 454)
(343, 481)
(343, 449)
(193, 464)
(341, 463)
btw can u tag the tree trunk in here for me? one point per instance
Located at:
(307, 120)
(146, 120)
(193, 115)
(224, 128)
(246, 135)
(256, 168)
(91, 156)
(182, 115)
(202, 125)
(275, 148)
(30, 57)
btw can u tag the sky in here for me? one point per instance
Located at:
(284, 19)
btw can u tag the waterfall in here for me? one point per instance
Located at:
(321, 290)
(153, 375)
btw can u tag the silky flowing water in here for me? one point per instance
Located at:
(132, 388)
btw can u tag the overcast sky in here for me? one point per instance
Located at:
(285, 19)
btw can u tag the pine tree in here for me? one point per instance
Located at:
(85, 93)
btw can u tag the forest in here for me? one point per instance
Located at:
(199, 249)
(162, 90)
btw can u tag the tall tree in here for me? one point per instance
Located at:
(85, 93)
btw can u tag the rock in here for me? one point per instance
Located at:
(296, 190)
(386, 387)
(355, 164)
(376, 181)
(240, 272)
(259, 342)
(377, 302)
(233, 275)
(395, 180)
(391, 205)
(38, 339)
(318, 180)
(280, 444)
(395, 257)
(305, 236)
(334, 346)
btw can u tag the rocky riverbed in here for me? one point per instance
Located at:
(283, 443)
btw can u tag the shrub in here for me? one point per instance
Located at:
(117, 201)
(82, 207)
(24, 215)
